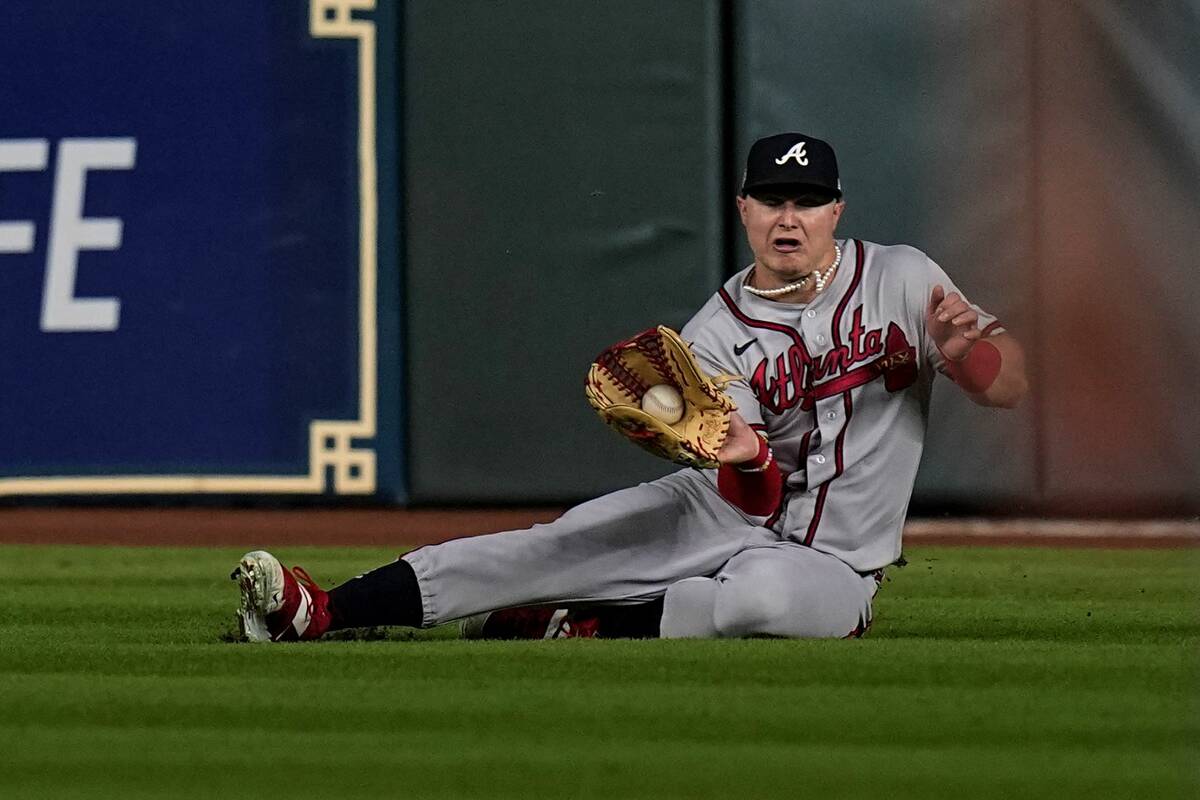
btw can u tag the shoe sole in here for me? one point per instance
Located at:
(260, 577)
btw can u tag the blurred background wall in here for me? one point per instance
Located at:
(549, 177)
(1044, 153)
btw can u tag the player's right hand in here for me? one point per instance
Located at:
(951, 323)
(741, 444)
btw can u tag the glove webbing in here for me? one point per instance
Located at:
(652, 346)
(629, 382)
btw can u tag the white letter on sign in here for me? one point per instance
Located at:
(20, 155)
(70, 232)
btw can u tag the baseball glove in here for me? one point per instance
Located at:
(623, 373)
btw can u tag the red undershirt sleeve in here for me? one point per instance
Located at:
(754, 486)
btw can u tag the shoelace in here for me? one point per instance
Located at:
(302, 575)
(319, 609)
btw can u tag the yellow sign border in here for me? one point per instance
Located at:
(331, 442)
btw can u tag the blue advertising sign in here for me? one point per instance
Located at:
(190, 246)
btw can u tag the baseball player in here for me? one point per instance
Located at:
(839, 341)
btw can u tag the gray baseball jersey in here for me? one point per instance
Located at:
(840, 385)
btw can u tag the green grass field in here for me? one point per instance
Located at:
(989, 673)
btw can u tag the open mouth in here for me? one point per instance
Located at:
(786, 245)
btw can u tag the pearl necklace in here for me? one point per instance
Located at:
(821, 279)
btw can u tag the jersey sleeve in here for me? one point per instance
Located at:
(714, 351)
(933, 276)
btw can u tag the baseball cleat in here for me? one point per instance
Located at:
(530, 622)
(278, 604)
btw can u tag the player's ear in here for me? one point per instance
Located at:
(741, 205)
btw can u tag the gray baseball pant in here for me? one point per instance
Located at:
(722, 574)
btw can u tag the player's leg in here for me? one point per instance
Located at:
(783, 589)
(689, 610)
(556, 621)
(626, 546)
(629, 545)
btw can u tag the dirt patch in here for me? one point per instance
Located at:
(202, 527)
(206, 527)
(1155, 533)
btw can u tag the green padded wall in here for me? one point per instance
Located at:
(567, 182)
(563, 166)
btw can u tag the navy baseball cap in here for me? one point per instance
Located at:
(791, 159)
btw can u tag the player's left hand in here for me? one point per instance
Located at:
(951, 323)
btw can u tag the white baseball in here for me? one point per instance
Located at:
(663, 403)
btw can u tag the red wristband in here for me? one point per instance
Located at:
(978, 370)
(761, 460)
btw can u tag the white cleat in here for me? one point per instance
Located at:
(260, 577)
(279, 604)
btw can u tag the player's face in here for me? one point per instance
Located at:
(790, 232)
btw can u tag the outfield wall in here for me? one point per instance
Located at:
(339, 249)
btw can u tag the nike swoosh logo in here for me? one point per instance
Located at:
(739, 349)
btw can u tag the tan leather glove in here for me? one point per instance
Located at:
(623, 373)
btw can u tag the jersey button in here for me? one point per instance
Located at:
(819, 459)
(830, 415)
(820, 340)
(810, 313)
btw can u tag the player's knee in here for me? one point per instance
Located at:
(688, 610)
(747, 610)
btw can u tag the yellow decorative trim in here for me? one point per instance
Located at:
(330, 445)
(331, 442)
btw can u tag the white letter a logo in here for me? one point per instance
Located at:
(797, 152)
